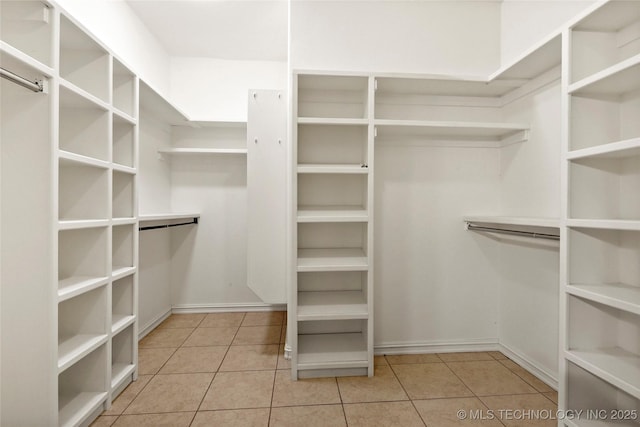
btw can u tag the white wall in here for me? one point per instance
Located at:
(216, 89)
(529, 268)
(154, 195)
(386, 36)
(116, 25)
(524, 22)
(435, 283)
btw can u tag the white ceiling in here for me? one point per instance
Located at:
(225, 29)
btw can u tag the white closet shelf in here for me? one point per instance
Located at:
(75, 408)
(332, 168)
(614, 365)
(615, 80)
(120, 322)
(118, 272)
(123, 221)
(124, 169)
(388, 86)
(541, 57)
(16, 61)
(515, 220)
(619, 149)
(77, 285)
(76, 224)
(501, 133)
(155, 104)
(69, 158)
(74, 348)
(332, 351)
(121, 116)
(218, 123)
(338, 259)
(79, 98)
(119, 373)
(167, 216)
(332, 305)
(174, 151)
(609, 17)
(332, 214)
(609, 224)
(332, 121)
(618, 295)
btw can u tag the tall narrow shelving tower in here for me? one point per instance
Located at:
(600, 270)
(331, 302)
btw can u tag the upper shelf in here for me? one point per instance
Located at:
(540, 58)
(167, 216)
(608, 17)
(615, 80)
(203, 151)
(331, 121)
(156, 104)
(500, 133)
(619, 149)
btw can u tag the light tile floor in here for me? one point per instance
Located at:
(228, 369)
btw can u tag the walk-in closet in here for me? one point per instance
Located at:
(300, 212)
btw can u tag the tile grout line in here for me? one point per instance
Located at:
(344, 412)
(405, 391)
(217, 369)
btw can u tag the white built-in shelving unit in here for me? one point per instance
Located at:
(85, 127)
(331, 302)
(600, 278)
(338, 118)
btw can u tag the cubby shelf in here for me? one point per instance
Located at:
(121, 322)
(619, 149)
(332, 305)
(82, 223)
(119, 272)
(333, 168)
(332, 121)
(119, 372)
(339, 259)
(196, 151)
(67, 157)
(617, 295)
(123, 117)
(75, 408)
(74, 286)
(75, 347)
(332, 214)
(331, 351)
(617, 366)
(615, 80)
(79, 97)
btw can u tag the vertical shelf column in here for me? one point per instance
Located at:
(331, 302)
(600, 289)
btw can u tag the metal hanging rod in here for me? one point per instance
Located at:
(155, 227)
(13, 77)
(532, 234)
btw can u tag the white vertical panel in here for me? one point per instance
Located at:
(266, 188)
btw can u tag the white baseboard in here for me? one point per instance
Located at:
(227, 307)
(542, 374)
(436, 347)
(153, 324)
